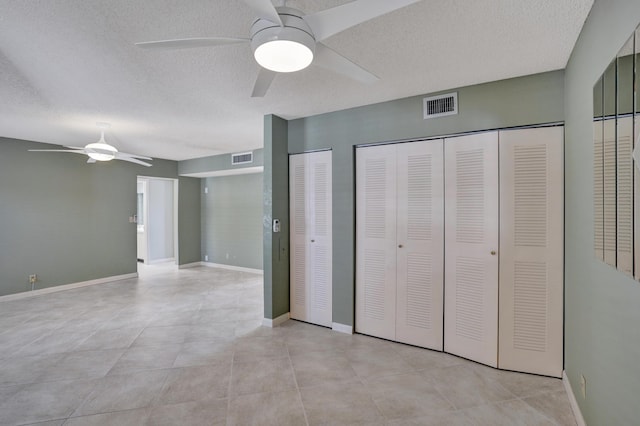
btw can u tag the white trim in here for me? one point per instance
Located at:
(233, 268)
(190, 265)
(156, 261)
(342, 328)
(63, 287)
(572, 400)
(267, 322)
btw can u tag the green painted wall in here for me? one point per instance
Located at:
(232, 220)
(217, 162)
(602, 306)
(515, 102)
(275, 206)
(67, 220)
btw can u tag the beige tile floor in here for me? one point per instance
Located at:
(186, 348)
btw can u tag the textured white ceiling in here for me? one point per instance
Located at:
(66, 64)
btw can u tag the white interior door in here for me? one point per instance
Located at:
(310, 234)
(376, 239)
(624, 199)
(319, 217)
(609, 194)
(420, 241)
(471, 245)
(298, 237)
(636, 203)
(531, 250)
(598, 190)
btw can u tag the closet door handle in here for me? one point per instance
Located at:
(400, 245)
(313, 241)
(493, 252)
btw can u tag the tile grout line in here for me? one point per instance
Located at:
(233, 361)
(295, 379)
(538, 411)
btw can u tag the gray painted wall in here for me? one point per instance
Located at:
(232, 220)
(515, 102)
(602, 306)
(275, 206)
(67, 220)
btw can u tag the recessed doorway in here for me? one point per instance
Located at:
(157, 220)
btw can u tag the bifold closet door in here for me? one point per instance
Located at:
(471, 245)
(531, 250)
(609, 190)
(624, 200)
(376, 180)
(598, 190)
(310, 234)
(420, 240)
(399, 242)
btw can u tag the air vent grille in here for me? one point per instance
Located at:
(441, 105)
(242, 158)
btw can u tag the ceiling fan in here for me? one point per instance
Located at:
(284, 39)
(101, 151)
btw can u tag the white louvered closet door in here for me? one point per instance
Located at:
(636, 205)
(310, 233)
(531, 250)
(420, 240)
(376, 241)
(298, 236)
(471, 244)
(609, 188)
(624, 210)
(598, 190)
(319, 309)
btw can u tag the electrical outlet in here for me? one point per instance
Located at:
(583, 386)
(33, 278)
(206, 257)
(227, 255)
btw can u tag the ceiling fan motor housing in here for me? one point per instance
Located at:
(294, 30)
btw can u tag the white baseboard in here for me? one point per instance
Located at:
(156, 261)
(67, 287)
(267, 322)
(342, 328)
(572, 400)
(190, 265)
(232, 268)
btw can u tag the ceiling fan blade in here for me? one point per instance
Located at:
(265, 9)
(73, 147)
(333, 61)
(121, 155)
(186, 43)
(75, 151)
(133, 160)
(263, 82)
(328, 22)
(91, 160)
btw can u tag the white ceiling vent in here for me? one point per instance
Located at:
(441, 105)
(241, 158)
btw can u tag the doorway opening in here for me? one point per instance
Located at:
(157, 220)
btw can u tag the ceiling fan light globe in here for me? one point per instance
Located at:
(101, 151)
(283, 56)
(289, 48)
